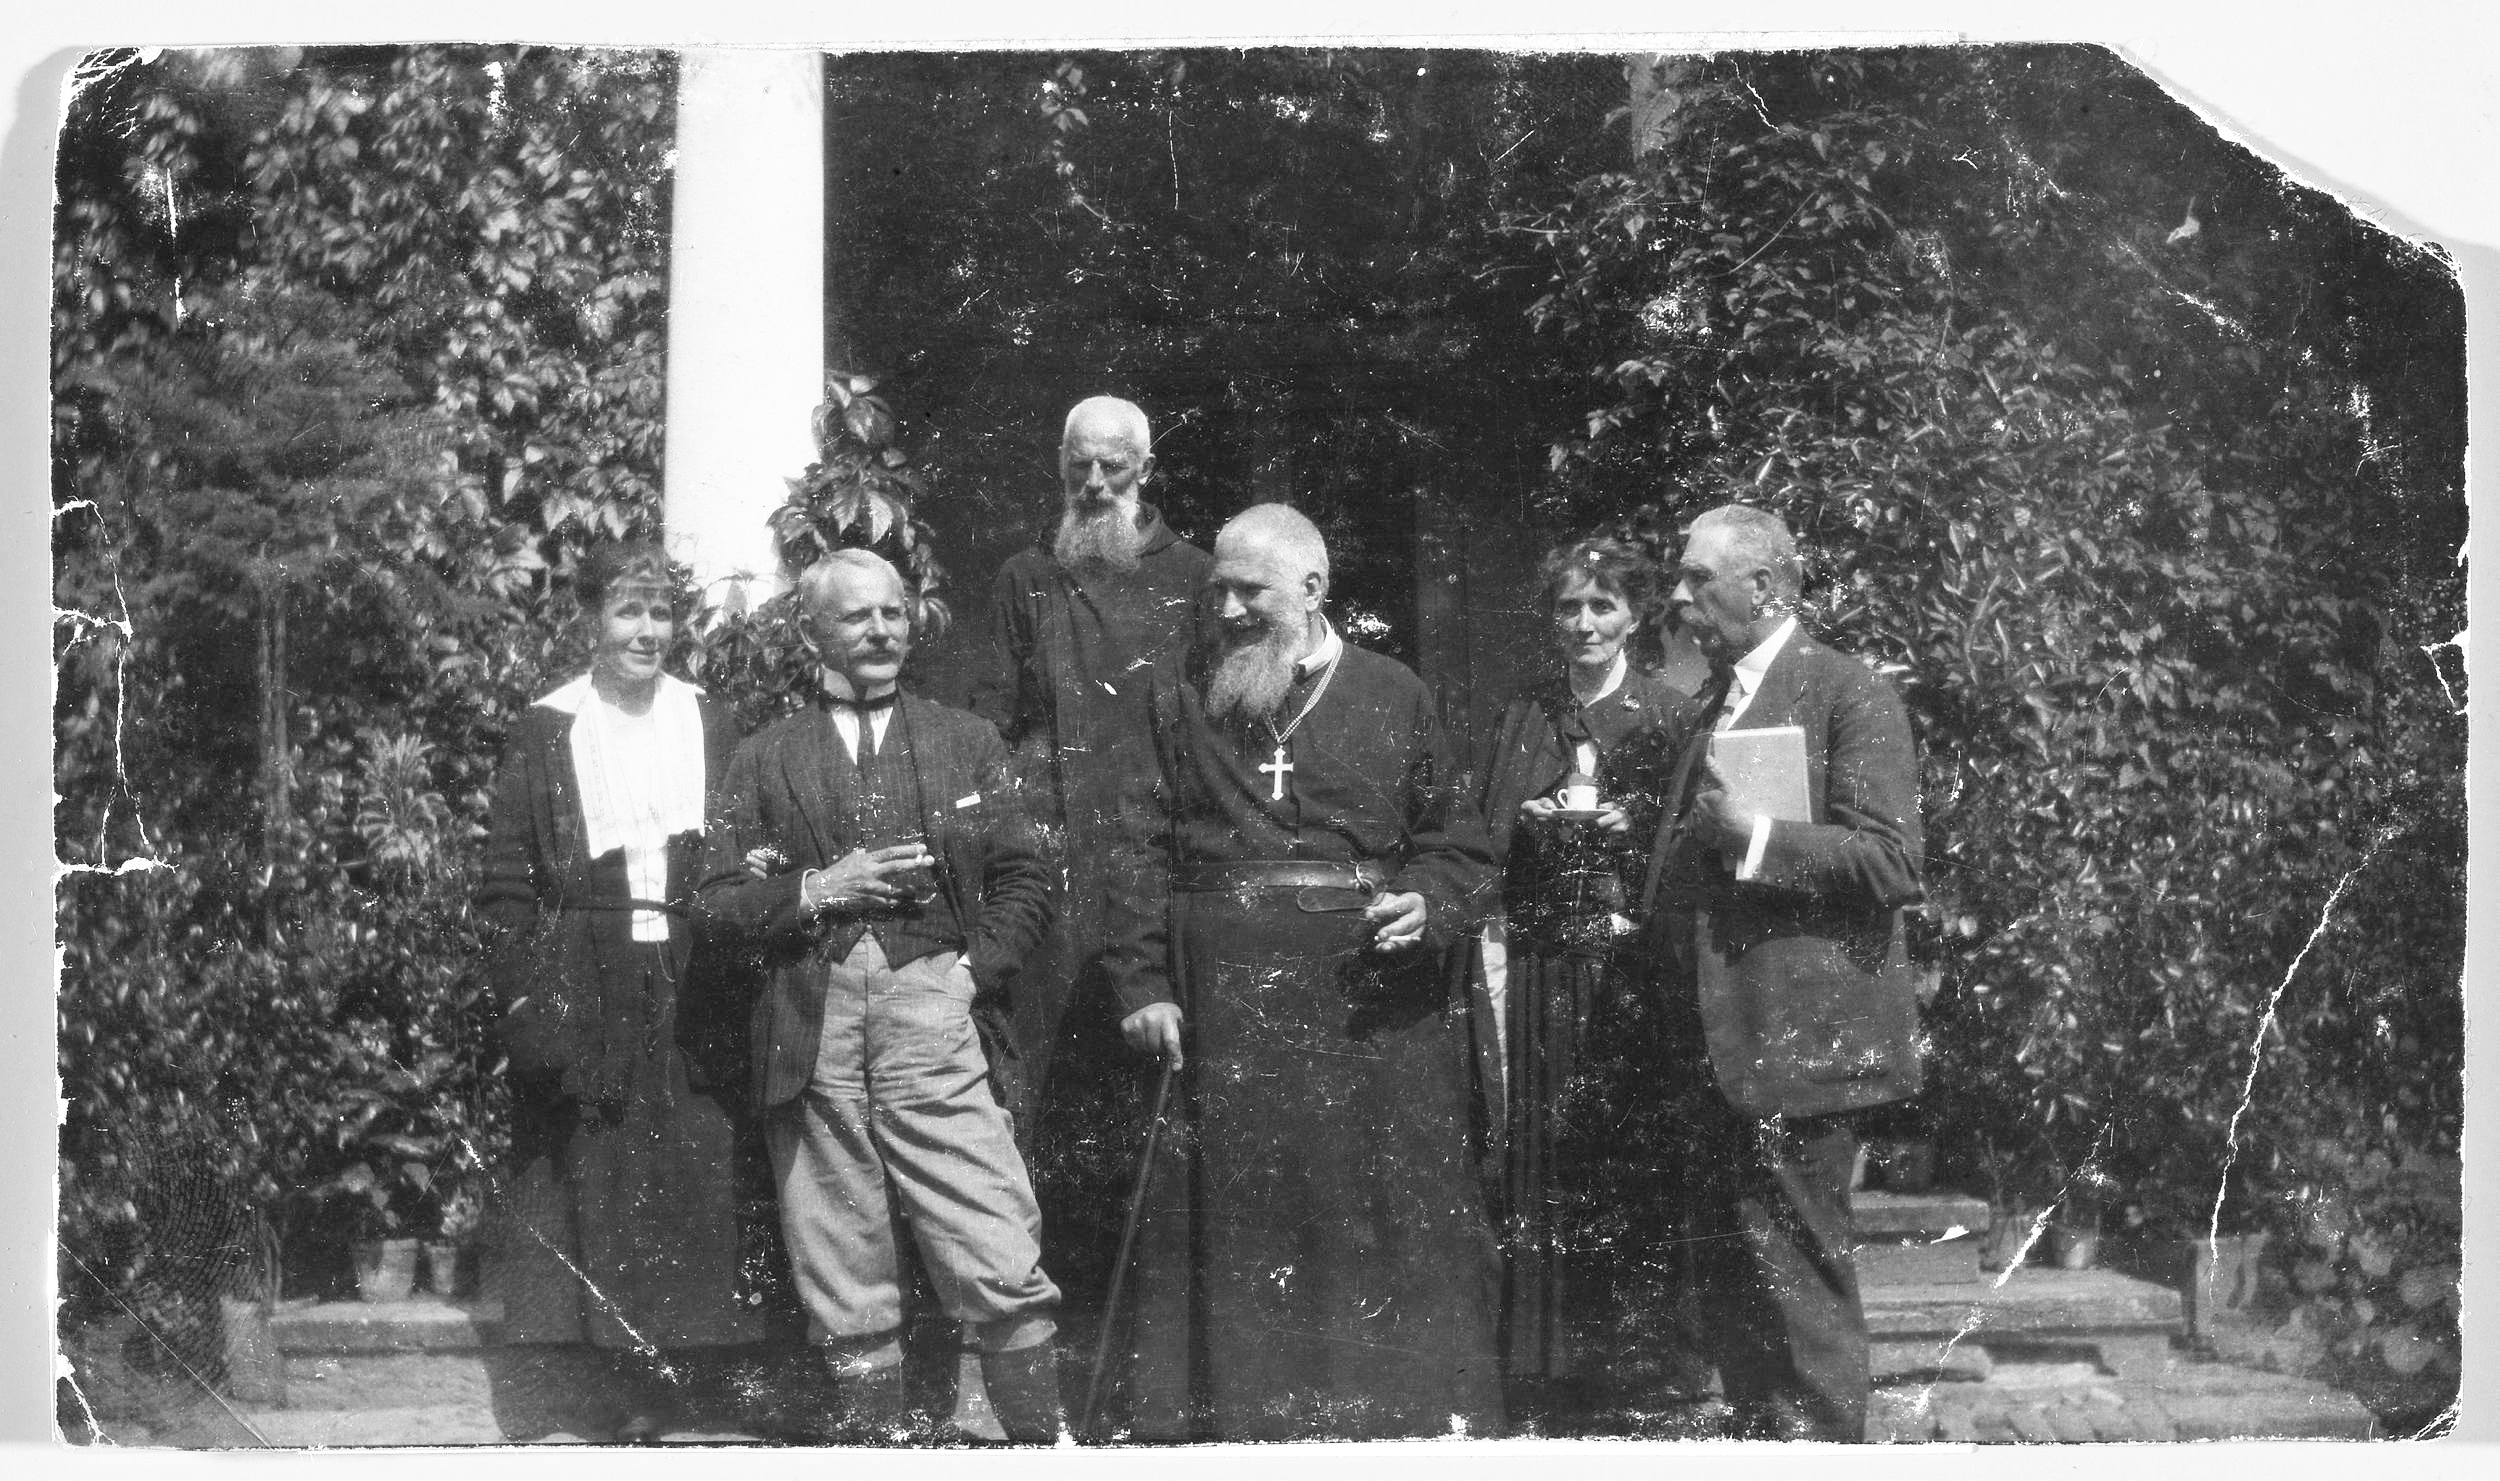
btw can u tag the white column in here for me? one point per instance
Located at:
(746, 283)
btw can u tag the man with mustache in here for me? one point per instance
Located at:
(1078, 623)
(1776, 951)
(906, 885)
(1315, 1259)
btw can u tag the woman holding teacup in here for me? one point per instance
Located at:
(1563, 793)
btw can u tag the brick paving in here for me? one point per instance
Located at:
(2058, 1403)
(364, 1376)
(2195, 1401)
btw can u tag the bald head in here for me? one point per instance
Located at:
(1271, 574)
(1280, 536)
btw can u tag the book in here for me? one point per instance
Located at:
(1765, 770)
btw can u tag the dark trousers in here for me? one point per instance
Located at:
(1774, 1287)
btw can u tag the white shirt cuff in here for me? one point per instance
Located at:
(1753, 851)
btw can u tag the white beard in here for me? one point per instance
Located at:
(1251, 678)
(1107, 539)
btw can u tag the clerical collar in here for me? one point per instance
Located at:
(1322, 654)
(839, 689)
(1751, 667)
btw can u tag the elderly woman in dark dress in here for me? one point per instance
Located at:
(1570, 1029)
(618, 1225)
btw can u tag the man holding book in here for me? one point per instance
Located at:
(1773, 933)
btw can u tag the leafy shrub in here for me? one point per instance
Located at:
(2159, 617)
(2363, 1281)
(351, 349)
(857, 494)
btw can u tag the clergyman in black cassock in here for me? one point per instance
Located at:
(1316, 1259)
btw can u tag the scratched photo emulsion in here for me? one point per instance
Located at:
(1121, 748)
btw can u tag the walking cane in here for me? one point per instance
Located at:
(1128, 1247)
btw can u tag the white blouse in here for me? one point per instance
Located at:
(641, 779)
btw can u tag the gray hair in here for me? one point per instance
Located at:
(1758, 537)
(817, 579)
(1127, 415)
(1287, 536)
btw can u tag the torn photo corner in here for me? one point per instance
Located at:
(2132, 460)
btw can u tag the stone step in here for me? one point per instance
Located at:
(405, 1363)
(386, 1326)
(1879, 1215)
(1913, 1239)
(2124, 1324)
(1937, 1262)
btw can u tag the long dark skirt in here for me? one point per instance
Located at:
(1317, 1261)
(619, 1225)
(1586, 1175)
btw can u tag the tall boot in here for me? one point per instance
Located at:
(870, 1402)
(1024, 1392)
(874, 1407)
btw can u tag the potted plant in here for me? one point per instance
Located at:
(387, 1192)
(2075, 1233)
(450, 1256)
(378, 1212)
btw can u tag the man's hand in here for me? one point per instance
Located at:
(1722, 824)
(1155, 1029)
(1397, 920)
(862, 879)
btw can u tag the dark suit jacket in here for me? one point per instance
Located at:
(1807, 1000)
(780, 792)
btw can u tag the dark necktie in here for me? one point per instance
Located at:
(866, 711)
(1716, 702)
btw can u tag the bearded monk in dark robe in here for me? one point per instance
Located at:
(1078, 622)
(1316, 1261)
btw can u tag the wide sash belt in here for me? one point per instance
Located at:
(1277, 874)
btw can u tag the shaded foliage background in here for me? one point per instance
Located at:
(2154, 515)
(351, 349)
(2137, 466)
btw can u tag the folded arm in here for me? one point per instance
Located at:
(765, 912)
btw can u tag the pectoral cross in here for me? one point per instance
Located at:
(1277, 769)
